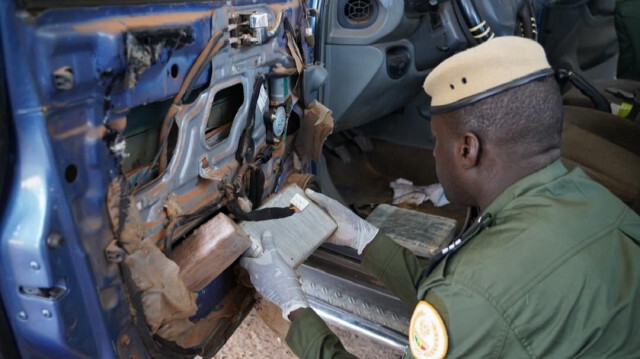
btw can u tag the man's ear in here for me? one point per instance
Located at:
(468, 150)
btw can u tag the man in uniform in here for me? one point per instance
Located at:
(551, 268)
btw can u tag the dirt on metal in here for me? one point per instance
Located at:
(253, 339)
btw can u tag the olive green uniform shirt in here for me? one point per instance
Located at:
(556, 275)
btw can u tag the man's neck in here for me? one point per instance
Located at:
(507, 172)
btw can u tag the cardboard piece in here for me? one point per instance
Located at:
(209, 251)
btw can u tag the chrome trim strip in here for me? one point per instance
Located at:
(348, 321)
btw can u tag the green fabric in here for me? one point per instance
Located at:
(556, 275)
(627, 22)
(309, 337)
(395, 266)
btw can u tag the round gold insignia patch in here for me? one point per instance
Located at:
(427, 333)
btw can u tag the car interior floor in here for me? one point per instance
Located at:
(363, 177)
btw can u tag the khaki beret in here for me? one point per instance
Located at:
(485, 70)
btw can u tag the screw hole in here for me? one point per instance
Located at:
(452, 87)
(174, 70)
(71, 173)
(464, 80)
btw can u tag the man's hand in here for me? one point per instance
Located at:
(274, 279)
(352, 231)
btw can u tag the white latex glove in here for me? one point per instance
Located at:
(352, 231)
(274, 279)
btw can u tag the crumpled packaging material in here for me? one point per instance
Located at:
(293, 48)
(316, 125)
(404, 191)
(165, 298)
(166, 302)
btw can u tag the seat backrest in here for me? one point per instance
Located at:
(580, 35)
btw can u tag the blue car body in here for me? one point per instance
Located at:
(65, 68)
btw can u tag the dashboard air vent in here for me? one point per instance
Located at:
(359, 11)
(357, 14)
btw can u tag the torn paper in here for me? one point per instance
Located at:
(404, 191)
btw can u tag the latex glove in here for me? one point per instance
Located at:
(352, 231)
(274, 279)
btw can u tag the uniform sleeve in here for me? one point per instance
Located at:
(309, 337)
(395, 266)
(475, 328)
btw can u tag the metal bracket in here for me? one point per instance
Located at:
(252, 28)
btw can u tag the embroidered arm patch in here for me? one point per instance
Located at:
(427, 333)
